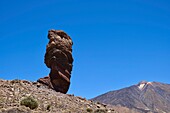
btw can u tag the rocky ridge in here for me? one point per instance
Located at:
(12, 92)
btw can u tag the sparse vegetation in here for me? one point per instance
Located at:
(89, 110)
(100, 111)
(27, 97)
(29, 102)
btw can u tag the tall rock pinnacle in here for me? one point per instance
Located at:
(58, 58)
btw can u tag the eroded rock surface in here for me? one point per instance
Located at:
(58, 58)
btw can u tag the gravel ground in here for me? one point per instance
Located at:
(12, 92)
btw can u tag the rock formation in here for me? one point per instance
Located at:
(58, 58)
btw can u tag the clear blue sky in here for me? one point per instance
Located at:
(117, 43)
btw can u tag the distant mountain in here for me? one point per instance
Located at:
(145, 97)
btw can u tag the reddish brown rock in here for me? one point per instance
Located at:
(58, 58)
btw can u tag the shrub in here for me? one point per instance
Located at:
(100, 111)
(89, 110)
(29, 102)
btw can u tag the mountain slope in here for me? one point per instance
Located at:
(15, 91)
(144, 97)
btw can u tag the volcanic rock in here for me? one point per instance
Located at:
(12, 92)
(58, 58)
(145, 97)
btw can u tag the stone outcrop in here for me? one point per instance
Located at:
(58, 58)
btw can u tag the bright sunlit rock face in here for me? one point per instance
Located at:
(143, 84)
